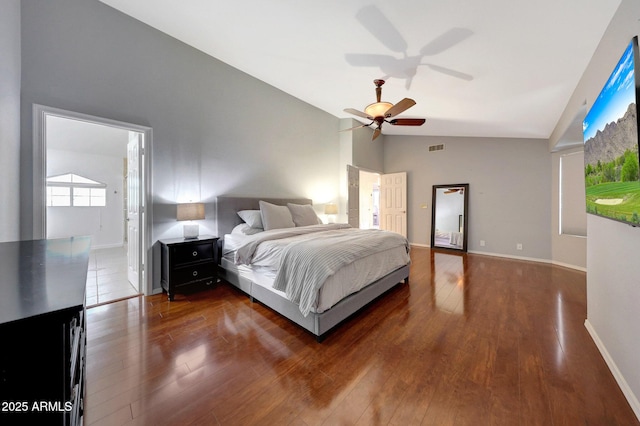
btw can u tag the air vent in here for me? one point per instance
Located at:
(436, 148)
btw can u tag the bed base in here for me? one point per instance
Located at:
(318, 324)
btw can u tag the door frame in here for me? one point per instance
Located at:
(40, 114)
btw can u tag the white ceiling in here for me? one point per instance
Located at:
(495, 68)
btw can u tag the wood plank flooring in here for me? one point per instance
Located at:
(472, 340)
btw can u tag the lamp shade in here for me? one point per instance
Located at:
(330, 208)
(378, 109)
(190, 211)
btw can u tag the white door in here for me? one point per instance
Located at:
(393, 202)
(353, 194)
(134, 203)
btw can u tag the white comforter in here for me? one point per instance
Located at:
(252, 251)
(305, 257)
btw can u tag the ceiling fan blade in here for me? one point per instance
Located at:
(358, 113)
(452, 73)
(377, 132)
(445, 41)
(407, 121)
(401, 106)
(381, 28)
(356, 127)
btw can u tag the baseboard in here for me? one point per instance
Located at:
(531, 259)
(567, 265)
(617, 375)
(508, 256)
(420, 245)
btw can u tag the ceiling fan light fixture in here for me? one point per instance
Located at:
(377, 109)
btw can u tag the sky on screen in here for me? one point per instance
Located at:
(615, 97)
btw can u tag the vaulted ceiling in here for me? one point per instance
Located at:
(495, 68)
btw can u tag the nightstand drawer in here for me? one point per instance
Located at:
(192, 273)
(182, 254)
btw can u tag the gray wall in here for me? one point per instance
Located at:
(215, 129)
(613, 286)
(10, 120)
(368, 154)
(508, 195)
(206, 116)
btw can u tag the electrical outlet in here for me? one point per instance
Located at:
(481, 243)
(519, 246)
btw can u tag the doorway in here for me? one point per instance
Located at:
(377, 200)
(105, 181)
(369, 200)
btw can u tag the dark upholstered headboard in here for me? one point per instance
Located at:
(227, 209)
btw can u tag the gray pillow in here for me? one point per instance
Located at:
(251, 218)
(303, 214)
(275, 217)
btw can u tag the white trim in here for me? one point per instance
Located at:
(617, 375)
(39, 155)
(420, 245)
(531, 259)
(567, 265)
(508, 256)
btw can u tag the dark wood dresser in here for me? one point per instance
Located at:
(188, 264)
(42, 327)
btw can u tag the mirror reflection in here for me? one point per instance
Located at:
(449, 216)
(448, 282)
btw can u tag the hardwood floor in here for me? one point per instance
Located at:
(472, 340)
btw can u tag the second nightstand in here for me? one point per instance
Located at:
(188, 264)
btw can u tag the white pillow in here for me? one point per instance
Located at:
(275, 217)
(303, 214)
(245, 229)
(253, 218)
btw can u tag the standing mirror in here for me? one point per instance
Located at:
(449, 205)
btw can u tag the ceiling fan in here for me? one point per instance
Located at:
(379, 111)
(454, 190)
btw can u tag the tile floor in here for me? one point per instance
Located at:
(107, 276)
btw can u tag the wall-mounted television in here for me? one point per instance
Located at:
(610, 130)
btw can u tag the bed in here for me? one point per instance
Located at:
(448, 239)
(337, 298)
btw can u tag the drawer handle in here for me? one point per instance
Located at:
(195, 253)
(195, 273)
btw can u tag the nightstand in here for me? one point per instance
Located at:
(188, 264)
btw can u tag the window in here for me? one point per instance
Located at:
(71, 190)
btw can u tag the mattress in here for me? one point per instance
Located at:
(347, 280)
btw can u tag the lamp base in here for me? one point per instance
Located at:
(191, 231)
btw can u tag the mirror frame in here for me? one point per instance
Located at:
(465, 215)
